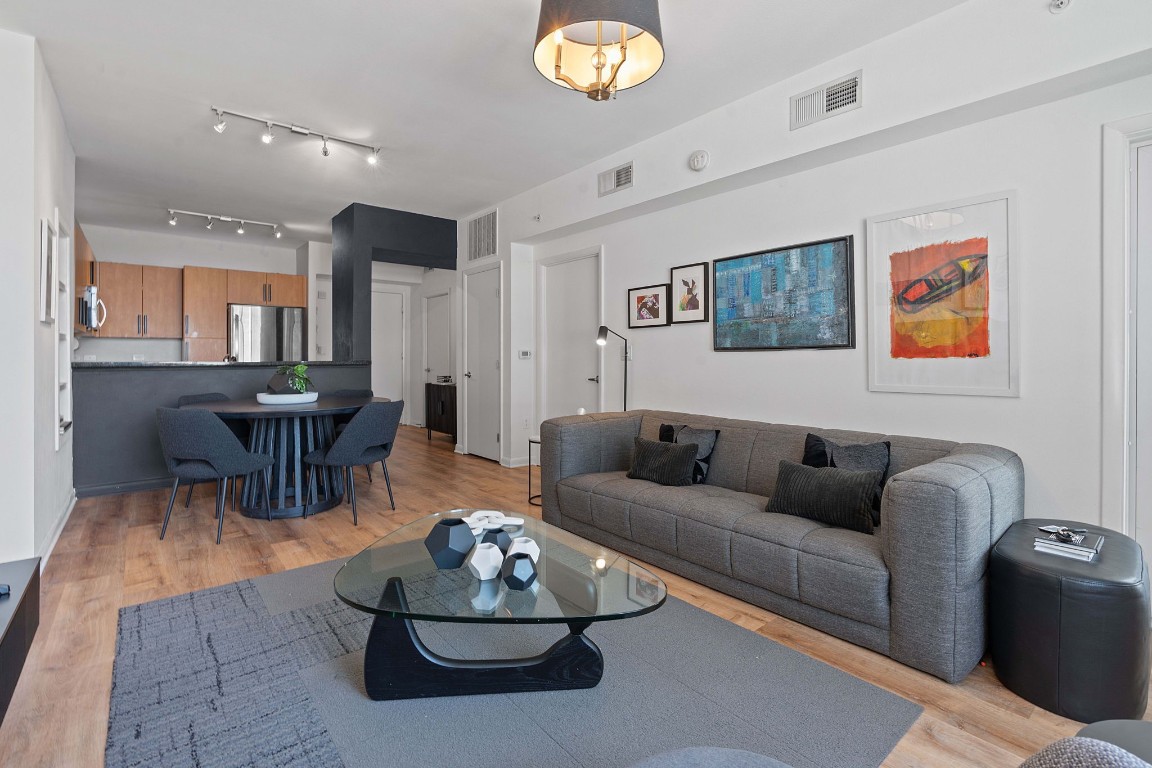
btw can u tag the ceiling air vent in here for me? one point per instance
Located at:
(616, 179)
(482, 236)
(840, 95)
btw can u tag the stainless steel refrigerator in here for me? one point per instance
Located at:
(266, 334)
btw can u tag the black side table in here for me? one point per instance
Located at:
(1067, 635)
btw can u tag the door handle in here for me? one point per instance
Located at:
(468, 375)
(101, 305)
(595, 379)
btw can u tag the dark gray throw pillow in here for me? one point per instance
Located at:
(839, 497)
(705, 440)
(663, 463)
(860, 457)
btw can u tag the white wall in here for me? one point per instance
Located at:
(19, 260)
(1049, 155)
(55, 195)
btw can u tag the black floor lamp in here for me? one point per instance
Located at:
(602, 339)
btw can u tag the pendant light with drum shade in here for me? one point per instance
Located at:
(599, 47)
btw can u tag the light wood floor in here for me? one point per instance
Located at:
(109, 556)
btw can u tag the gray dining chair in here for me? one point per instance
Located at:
(239, 428)
(368, 438)
(341, 420)
(197, 445)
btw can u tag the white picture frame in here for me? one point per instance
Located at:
(48, 271)
(942, 315)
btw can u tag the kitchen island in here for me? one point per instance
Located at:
(116, 448)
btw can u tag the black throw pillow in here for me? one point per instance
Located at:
(705, 440)
(860, 457)
(663, 463)
(839, 497)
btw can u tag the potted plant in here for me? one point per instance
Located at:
(291, 380)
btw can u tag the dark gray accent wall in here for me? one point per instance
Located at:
(362, 234)
(115, 445)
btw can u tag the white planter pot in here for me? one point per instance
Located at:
(485, 561)
(526, 545)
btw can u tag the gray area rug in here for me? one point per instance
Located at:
(268, 672)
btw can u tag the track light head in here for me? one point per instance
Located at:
(374, 157)
(220, 122)
(268, 137)
(172, 218)
(209, 224)
(276, 231)
(240, 229)
(324, 151)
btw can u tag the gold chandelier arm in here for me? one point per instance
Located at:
(571, 83)
(616, 69)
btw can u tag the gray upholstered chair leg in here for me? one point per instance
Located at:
(369, 468)
(188, 500)
(234, 492)
(221, 497)
(388, 482)
(267, 477)
(168, 513)
(352, 494)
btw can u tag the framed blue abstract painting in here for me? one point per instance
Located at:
(799, 297)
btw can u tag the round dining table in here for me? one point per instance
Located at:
(288, 433)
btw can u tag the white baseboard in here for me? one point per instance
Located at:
(516, 461)
(55, 537)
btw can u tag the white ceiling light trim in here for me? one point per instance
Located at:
(268, 136)
(172, 212)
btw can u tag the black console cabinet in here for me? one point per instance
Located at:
(440, 409)
(19, 617)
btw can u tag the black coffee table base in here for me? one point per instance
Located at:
(397, 665)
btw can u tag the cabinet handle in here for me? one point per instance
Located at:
(139, 326)
(185, 325)
(187, 350)
(145, 325)
(269, 293)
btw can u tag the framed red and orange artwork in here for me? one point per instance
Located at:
(941, 311)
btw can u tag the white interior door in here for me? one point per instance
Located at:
(481, 377)
(568, 355)
(438, 337)
(1142, 250)
(388, 343)
(322, 319)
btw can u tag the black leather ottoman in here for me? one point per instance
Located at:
(1071, 636)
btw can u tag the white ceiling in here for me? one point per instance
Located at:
(446, 87)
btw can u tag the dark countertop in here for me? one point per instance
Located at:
(138, 364)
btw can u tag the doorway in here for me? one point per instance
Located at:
(481, 377)
(437, 337)
(568, 315)
(1141, 245)
(388, 335)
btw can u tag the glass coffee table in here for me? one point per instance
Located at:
(578, 583)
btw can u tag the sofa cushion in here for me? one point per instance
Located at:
(843, 572)
(839, 497)
(859, 457)
(765, 549)
(663, 463)
(705, 440)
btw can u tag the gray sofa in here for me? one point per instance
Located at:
(914, 591)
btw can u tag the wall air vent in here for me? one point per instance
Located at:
(482, 236)
(616, 179)
(840, 95)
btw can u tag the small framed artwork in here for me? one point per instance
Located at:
(648, 306)
(940, 299)
(799, 297)
(642, 586)
(690, 294)
(47, 272)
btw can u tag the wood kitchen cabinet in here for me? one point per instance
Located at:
(203, 350)
(205, 314)
(267, 288)
(85, 276)
(142, 302)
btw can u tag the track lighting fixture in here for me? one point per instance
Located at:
(214, 217)
(268, 136)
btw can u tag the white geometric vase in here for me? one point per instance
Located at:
(526, 545)
(485, 561)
